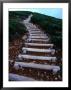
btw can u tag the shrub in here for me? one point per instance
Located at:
(16, 29)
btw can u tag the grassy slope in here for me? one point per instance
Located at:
(50, 25)
(16, 29)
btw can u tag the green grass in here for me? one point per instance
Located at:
(17, 29)
(19, 14)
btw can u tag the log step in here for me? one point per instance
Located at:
(38, 40)
(54, 68)
(24, 49)
(21, 57)
(36, 44)
(38, 37)
(16, 77)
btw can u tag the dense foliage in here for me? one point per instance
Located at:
(50, 25)
(16, 29)
(19, 14)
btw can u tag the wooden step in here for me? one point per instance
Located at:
(38, 52)
(36, 33)
(38, 37)
(24, 49)
(36, 44)
(21, 57)
(30, 25)
(16, 77)
(54, 68)
(46, 40)
(39, 47)
(34, 30)
(34, 41)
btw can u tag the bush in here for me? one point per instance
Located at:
(19, 14)
(16, 29)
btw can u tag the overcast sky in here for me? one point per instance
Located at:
(55, 12)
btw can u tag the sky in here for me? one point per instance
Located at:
(55, 12)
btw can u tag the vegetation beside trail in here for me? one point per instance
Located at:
(51, 26)
(16, 28)
(19, 14)
(16, 31)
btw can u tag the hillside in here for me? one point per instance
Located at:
(51, 26)
(35, 43)
(16, 31)
(16, 28)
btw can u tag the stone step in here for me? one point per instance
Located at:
(54, 68)
(34, 57)
(16, 77)
(24, 49)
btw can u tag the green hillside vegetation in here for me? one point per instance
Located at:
(19, 14)
(16, 29)
(51, 26)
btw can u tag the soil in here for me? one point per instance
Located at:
(15, 48)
